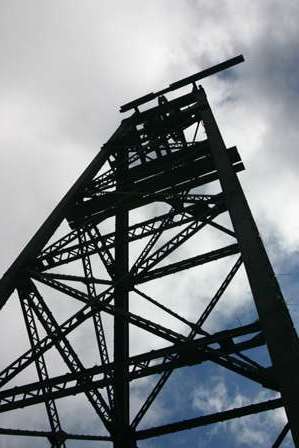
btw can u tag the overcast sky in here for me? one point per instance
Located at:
(67, 66)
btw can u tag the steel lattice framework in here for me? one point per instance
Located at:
(149, 159)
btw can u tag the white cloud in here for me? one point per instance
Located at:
(65, 70)
(258, 430)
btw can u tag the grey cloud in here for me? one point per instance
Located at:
(65, 69)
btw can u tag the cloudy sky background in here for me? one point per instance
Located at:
(66, 67)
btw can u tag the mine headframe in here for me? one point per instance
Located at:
(168, 152)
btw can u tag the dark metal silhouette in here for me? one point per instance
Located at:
(150, 160)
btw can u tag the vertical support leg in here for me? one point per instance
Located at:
(121, 326)
(280, 335)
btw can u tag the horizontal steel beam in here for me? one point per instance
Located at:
(153, 362)
(57, 254)
(62, 435)
(187, 263)
(205, 420)
(201, 169)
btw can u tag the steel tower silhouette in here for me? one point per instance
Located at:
(150, 159)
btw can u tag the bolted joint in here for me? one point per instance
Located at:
(57, 438)
(125, 438)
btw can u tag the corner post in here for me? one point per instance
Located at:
(121, 326)
(276, 323)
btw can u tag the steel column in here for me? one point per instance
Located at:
(121, 324)
(279, 332)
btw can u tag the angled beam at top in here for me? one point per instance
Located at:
(9, 279)
(183, 82)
